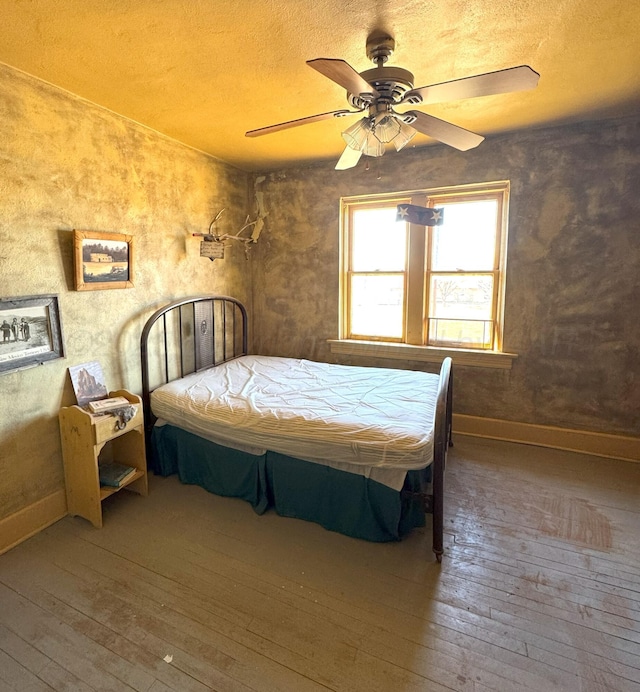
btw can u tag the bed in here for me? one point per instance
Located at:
(358, 450)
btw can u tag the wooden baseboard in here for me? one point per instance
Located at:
(31, 519)
(597, 444)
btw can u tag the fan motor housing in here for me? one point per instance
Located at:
(390, 82)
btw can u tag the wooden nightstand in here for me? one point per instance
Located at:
(85, 437)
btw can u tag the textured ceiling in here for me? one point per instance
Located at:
(206, 71)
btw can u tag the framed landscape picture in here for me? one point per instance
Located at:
(102, 260)
(30, 332)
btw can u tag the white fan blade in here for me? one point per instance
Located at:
(343, 74)
(296, 123)
(349, 159)
(499, 82)
(444, 132)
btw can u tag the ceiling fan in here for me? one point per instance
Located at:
(378, 91)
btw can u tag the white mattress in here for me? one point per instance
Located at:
(374, 421)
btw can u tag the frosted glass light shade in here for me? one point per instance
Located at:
(360, 137)
(373, 146)
(369, 137)
(356, 135)
(404, 136)
(387, 129)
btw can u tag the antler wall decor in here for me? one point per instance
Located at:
(213, 244)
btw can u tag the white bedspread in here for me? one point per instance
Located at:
(374, 421)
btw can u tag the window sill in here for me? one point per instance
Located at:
(427, 354)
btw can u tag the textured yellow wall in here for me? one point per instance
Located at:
(66, 164)
(573, 286)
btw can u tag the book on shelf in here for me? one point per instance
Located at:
(113, 474)
(106, 405)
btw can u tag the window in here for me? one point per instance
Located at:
(439, 286)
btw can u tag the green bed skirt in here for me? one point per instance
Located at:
(337, 500)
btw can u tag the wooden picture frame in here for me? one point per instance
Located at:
(30, 332)
(102, 260)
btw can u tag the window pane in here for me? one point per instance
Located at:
(467, 238)
(466, 297)
(377, 305)
(465, 333)
(378, 242)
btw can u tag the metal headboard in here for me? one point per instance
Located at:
(187, 336)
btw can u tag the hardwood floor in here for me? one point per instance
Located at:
(539, 590)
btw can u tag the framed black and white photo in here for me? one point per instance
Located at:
(102, 260)
(30, 332)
